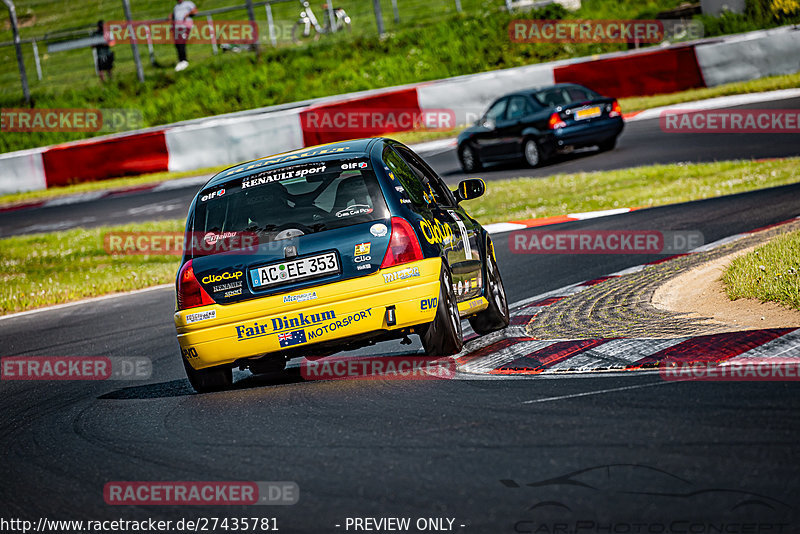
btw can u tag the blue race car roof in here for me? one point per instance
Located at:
(350, 149)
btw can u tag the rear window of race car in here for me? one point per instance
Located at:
(292, 201)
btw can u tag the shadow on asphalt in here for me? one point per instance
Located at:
(519, 164)
(180, 388)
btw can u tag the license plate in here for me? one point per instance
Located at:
(587, 113)
(295, 270)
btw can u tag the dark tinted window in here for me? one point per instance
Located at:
(560, 96)
(308, 198)
(404, 174)
(518, 107)
(496, 111)
(429, 178)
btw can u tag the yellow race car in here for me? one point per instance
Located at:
(326, 249)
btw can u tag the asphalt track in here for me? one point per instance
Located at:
(641, 143)
(607, 453)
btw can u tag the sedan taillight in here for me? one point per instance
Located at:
(555, 121)
(616, 111)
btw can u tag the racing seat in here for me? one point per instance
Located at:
(351, 191)
(267, 205)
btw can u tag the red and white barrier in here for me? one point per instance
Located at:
(231, 140)
(750, 56)
(22, 171)
(240, 137)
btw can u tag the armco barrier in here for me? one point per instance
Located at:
(664, 71)
(469, 96)
(750, 56)
(22, 171)
(96, 160)
(231, 140)
(403, 99)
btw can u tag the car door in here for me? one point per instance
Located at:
(464, 257)
(487, 141)
(509, 129)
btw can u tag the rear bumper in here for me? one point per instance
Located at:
(588, 134)
(340, 310)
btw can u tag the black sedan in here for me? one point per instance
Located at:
(538, 123)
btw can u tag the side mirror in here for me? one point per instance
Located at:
(488, 124)
(469, 189)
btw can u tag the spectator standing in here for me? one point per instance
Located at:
(181, 19)
(105, 57)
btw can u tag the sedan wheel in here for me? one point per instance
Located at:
(469, 159)
(532, 154)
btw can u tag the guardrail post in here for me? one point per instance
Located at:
(331, 19)
(36, 59)
(12, 14)
(396, 12)
(150, 50)
(134, 46)
(376, 5)
(458, 6)
(252, 16)
(270, 24)
(210, 22)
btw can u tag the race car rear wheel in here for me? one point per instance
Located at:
(443, 336)
(210, 379)
(496, 316)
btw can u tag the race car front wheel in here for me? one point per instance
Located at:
(443, 336)
(210, 379)
(496, 316)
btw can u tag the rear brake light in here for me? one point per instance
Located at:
(403, 244)
(616, 111)
(190, 293)
(555, 121)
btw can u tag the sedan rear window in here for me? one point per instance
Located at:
(292, 201)
(561, 96)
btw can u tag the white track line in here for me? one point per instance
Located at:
(598, 392)
(85, 301)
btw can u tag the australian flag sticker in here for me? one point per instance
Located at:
(292, 338)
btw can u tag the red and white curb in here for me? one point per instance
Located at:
(502, 227)
(512, 352)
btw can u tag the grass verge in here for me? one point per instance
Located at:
(656, 185)
(44, 269)
(113, 183)
(770, 83)
(769, 273)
